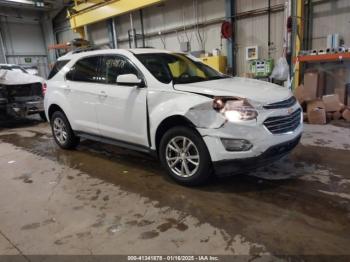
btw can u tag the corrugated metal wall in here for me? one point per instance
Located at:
(98, 33)
(23, 38)
(164, 26)
(61, 28)
(175, 21)
(2, 49)
(165, 23)
(253, 31)
(328, 18)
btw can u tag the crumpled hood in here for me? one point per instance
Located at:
(251, 89)
(8, 77)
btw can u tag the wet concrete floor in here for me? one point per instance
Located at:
(298, 206)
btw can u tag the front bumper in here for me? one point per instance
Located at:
(22, 109)
(274, 153)
(263, 141)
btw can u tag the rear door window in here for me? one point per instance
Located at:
(85, 70)
(57, 67)
(113, 66)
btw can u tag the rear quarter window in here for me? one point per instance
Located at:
(57, 67)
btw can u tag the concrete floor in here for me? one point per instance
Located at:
(101, 199)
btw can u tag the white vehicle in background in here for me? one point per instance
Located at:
(33, 70)
(21, 94)
(195, 120)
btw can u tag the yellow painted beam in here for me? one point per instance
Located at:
(108, 10)
(80, 6)
(299, 40)
(80, 31)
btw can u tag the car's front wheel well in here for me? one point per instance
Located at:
(54, 108)
(171, 122)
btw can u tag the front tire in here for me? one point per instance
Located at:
(62, 131)
(185, 156)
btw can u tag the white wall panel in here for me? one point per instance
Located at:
(328, 18)
(23, 38)
(62, 30)
(98, 33)
(171, 15)
(250, 31)
(331, 17)
(66, 35)
(254, 31)
(247, 5)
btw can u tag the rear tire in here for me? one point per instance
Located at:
(185, 156)
(62, 131)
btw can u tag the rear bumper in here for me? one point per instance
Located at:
(235, 166)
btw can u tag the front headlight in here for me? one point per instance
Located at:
(234, 109)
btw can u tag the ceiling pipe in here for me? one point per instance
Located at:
(269, 28)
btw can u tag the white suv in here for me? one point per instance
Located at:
(196, 120)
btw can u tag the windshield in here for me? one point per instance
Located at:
(177, 68)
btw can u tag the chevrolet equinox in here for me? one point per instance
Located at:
(196, 120)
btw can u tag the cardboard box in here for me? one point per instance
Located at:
(346, 115)
(316, 112)
(299, 94)
(332, 103)
(343, 107)
(310, 90)
(337, 115)
(340, 91)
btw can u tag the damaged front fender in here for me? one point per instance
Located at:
(204, 116)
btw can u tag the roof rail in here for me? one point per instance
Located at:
(85, 49)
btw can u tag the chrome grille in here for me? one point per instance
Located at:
(282, 104)
(283, 124)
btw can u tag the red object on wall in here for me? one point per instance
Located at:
(226, 30)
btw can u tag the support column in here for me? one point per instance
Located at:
(3, 58)
(110, 32)
(115, 36)
(231, 43)
(299, 33)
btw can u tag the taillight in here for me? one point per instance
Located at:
(43, 88)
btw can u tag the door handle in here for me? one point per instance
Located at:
(103, 94)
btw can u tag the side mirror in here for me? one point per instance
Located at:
(130, 80)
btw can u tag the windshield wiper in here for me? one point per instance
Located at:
(189, 80)
(218, 77)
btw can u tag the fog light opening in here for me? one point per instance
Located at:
(236, 145)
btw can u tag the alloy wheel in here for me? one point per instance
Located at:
(60, 130)
(182, 156)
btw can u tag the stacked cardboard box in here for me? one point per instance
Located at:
(316, 112)
(326, 96)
